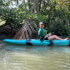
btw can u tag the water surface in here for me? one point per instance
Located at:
(14, 57)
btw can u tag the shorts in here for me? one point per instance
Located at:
(46, 38)
(42, 38)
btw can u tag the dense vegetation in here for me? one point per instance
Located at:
(54, 13)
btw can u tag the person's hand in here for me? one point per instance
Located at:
(50, 34)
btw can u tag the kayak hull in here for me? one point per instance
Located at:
(38, 42)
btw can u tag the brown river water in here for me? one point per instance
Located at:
(13, 57)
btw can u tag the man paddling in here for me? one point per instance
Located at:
(44, 36)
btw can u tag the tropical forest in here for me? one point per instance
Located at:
(19, 19)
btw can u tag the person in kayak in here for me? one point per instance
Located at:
(42, 33)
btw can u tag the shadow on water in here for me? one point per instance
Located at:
(38, 49)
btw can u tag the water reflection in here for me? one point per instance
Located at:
(34, 58)
(39, 49)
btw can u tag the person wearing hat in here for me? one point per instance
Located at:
(42, 33)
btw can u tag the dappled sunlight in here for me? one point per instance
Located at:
(2, 22)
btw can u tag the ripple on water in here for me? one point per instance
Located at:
(34, 58)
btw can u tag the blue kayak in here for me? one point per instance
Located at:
(38, 42)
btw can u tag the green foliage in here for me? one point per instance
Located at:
(58, 18)
(55, 16)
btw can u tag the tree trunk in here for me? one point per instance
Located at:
(26, 31)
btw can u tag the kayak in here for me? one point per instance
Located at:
(38, 42)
